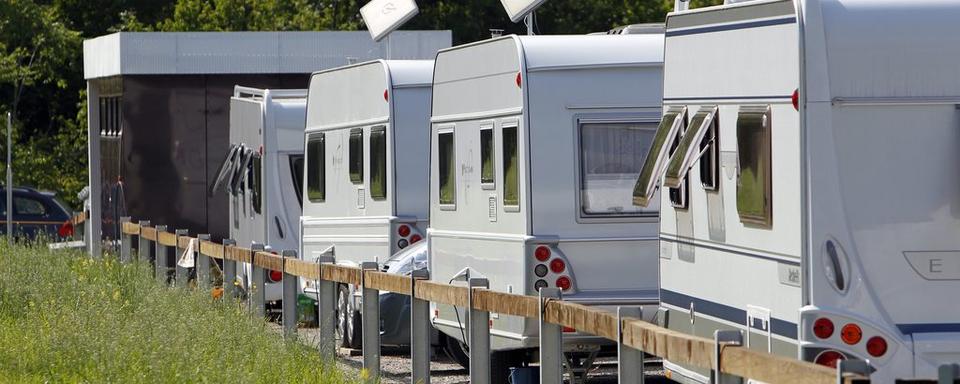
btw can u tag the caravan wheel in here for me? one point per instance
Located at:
(456, 351)
(343, 294)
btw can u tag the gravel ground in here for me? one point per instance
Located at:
(395, 366)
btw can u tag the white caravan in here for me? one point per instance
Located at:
(367, 140)
(536, 144)
(811, 152)
(262, 173)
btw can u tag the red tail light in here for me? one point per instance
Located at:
(276, 276)
(386, 96)
(823, 328)
(851, 334)
(563, 283)
(415, 238)
(829, 358)
(795, 98)
(542, 253)
(876, 346)
(403, 230)
(557, 266)
(569, 330)
(519, 81)
(66, 229)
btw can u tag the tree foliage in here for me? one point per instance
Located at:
(41, 79)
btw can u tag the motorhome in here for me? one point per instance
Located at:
(367, 145)
(810, 150)
(536, 142)
(262, 173)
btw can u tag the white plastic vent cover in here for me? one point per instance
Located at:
(517, 9)
(385, 16)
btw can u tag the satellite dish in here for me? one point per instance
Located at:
(517, 9)
(385, 16)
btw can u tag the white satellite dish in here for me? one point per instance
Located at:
(385, 16)
(517, 9)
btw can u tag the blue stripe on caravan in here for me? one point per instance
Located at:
(734, 315)
(731, 27)
(929, 327)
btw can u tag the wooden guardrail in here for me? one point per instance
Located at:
(635, 333)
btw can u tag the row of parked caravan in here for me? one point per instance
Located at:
(807, 153)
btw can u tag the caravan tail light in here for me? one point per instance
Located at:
(823, 328)
(403, 230)
(415, 238)
(563, 283)
(851, 334)
(402, 243)
(519, 80)
(542, 253)
(386, 95)
(275, 276)
(569, 330)
(557, 266)
(876, 346)
(540, 284)
(795, 98)
(66, 229)
(829, 358)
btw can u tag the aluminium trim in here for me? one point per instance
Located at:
(476, 115)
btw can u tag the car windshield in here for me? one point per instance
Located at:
(405, 261)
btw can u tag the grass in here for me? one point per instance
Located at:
(67, 318)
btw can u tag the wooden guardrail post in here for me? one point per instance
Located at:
(370, 317)
(289, 302)
(256, 290)
(478, 326)
(419, 331)
(143, 245)
(229, 272)
(630, 365)
(202, 264)
(551, 341)
(723, 339)
(160, 257)
(326, 310)
(126, 242)
(182, 274)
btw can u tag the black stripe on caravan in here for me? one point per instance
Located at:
(734, 315)
(732, 27)
(928, 328)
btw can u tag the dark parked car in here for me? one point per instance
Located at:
(35, 214)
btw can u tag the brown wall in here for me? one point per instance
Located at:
(175, 135)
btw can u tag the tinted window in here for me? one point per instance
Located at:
(296, 174)
(356, 155)
(28, 206)
(446, 162)
(511, 171)
(710, 160)
(678, 196)
(378, 163)
(256, 183)
(611, 156)
(316, 168)
(754, 189)
(487, 171)
(670, 125)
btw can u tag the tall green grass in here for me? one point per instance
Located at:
(66, 318)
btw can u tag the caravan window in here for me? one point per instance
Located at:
(378, 163)
(678, 196)
(670, 126)
(447, 172)
(611, 156)
(255, 181)
(316, 168)
(754, 188)
(689, 148)
(511, 167)
(487, 170)
(710, 155)
(356, 155)
(296, 174)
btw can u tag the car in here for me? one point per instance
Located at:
(395, 308)
(36, 214)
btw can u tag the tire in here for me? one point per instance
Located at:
(501, 362)
(456, 351)
(343, 297)
(355, 330)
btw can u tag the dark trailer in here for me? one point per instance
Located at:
(158, 108)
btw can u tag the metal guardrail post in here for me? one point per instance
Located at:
(230, 272)
(853, 367)
(948, 374)
(256, 290)
(143, 245)
(202, 264)
(290, 285)
(478, 326)
(182, 275)
(126, 242)
(370, 317)
(721, 339)
(630, 365)
(551, 341)
(160, 257)
(327, 311)
(419, 331)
